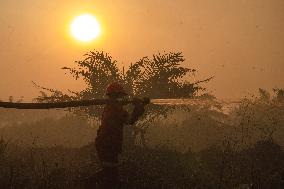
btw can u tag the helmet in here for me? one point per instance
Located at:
(115, 88)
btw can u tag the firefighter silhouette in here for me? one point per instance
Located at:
(110, 133)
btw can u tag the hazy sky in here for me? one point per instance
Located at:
(240, 42)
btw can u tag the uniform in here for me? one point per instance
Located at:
(110, 135)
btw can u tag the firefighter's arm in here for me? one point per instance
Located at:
(139, 109)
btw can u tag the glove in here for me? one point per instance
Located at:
(138, 109)
(141, 102)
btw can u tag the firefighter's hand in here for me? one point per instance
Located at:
(146, 100)
(141, 102)
(139, 105)
(138, 110)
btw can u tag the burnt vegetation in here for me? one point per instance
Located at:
(204, 145)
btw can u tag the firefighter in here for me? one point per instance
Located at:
(110, 133)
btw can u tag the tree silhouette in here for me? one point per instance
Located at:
(163, 76)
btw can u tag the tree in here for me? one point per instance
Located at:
(163, 76)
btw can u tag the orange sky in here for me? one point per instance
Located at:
(240, 42)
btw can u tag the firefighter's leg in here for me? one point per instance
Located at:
(109, 177)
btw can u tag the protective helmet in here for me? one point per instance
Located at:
(115, 88)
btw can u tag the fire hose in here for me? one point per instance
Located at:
(92, 102)
(66, 104)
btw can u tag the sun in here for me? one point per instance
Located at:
(85, 28)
